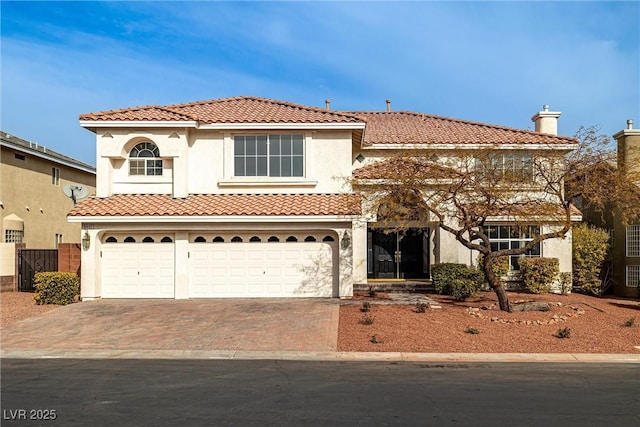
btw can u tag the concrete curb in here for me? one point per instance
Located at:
(323, 356)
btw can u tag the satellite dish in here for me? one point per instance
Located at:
(75, 192)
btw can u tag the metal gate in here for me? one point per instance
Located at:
(32, 261)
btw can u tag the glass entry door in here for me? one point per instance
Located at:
(398, 254)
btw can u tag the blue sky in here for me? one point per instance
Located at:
(494, 62)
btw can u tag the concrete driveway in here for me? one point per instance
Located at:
(219, 324)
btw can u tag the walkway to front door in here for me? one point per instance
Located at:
(398, 254)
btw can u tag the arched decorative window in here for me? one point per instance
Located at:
(309, 239)
(255, 239)
(166, 239)
(328, 239)
(144, 159)
(199, 239)
(273, 239)
(236, 239)
(148, 240)
(292, 239)
(218, 239)
(111, 239)
(129, 240)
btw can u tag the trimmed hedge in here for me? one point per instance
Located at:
(458, 280)
(539, 274)
(590, 247)
(56, 288)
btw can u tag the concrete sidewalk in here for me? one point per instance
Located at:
(324, 356)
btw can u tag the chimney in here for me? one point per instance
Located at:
(388, 105)
(546, 121)
(629, 150)
(327, 104)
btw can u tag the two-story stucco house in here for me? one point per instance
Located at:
(251, 197)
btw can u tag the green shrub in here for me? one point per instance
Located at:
(463, 288)
(366, 307)
(500, 265)
(472, 331)
(590, 247)
(563, 333)
(56, 288)
(457, 280)
(539, 273)
(421, 307)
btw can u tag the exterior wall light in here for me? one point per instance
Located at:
(86, 241)
(346, 241)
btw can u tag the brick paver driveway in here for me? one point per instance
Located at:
(220, 324)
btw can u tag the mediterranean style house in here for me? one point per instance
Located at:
(252, 197)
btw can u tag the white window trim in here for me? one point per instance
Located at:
(231, 179)
(632, 241)
(632, 276)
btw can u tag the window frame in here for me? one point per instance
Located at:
(55, 176)
(632, 241)
(145, 165)
(516, 166)
(504, 235)
(268, 156)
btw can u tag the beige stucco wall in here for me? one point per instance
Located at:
(201, 162)
(27, 191)
(7, 259)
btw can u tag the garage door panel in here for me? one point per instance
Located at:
(261, 269)
(138, 270)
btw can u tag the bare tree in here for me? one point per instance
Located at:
(465, 192)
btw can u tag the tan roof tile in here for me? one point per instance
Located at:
(242, 109)
(220, 205)
(401, 127)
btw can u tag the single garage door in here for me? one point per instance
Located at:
(138, 270)
(237, 270)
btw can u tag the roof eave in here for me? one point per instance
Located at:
(212, 218)
(94, 124)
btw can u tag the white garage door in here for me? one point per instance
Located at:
(292, 269)
(138, 270)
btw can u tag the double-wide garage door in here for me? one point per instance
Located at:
(220, 270)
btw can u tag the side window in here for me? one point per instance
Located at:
(144, 159)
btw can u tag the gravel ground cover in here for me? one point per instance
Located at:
(593, 325)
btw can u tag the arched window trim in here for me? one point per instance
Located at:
(255, 239)
(273, 239)
(236, 239)
(111, 239)
(129, 239)
(148, 239)
(199, 239)
(144, 160)
(310, 239)
(218, 239)
(166, 239)
(292, 239)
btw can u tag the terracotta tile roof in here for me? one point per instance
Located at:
(241, 109)
(219, 205)
(402, 127)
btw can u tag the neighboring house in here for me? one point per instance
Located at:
(251, 197)
(33, 205)
(626, 242)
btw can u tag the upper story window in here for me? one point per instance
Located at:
(144, 159)
(633, 241)
(508, 166)
(276, 155)
(55, 176)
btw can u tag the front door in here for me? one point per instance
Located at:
(401, 255)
